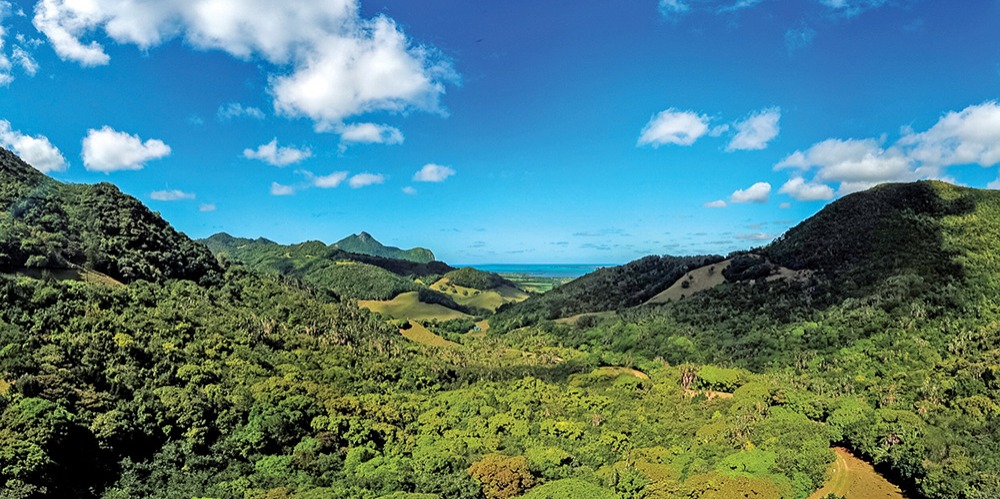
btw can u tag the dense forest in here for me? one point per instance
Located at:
(134, 363)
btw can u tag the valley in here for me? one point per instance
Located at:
(136, 362)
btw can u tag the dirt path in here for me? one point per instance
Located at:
(856, 479)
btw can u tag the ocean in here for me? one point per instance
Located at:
(571, 271)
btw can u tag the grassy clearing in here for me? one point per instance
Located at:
(535, 284)
(855, 479)
(576, 318)
(470, 297)
(407, 306)
(620, 371)
(71, 274)
(697, 280)
(420, 334)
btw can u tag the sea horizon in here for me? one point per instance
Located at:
(566, 270)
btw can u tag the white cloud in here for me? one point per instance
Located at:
(107, 150)
(370, 133)
(24, 59)
(365, 179)
(668, 7)
(273, 155)
(236, 110)
(409, 190)
(855, 164)
(969, 136)
(327, 63)
(830, 152)
(756, 131)
(852, 7)
(281, 190)
(171, 195)
(756, 193)
(757, 236)
(715, 204)
(328, 181)
(63, 24)
(674, 127)
(433, 173)
(37, 151)
(5, 65)
(785, 205)
(806, 191)
(207, 207)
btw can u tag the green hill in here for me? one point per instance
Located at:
(363, 243)
(890, 322)
(469, 277)
(45, 224)
(606, 289)
(350, 275)
(229, 382)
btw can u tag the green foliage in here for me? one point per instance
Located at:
(46, 224)
(469, 277)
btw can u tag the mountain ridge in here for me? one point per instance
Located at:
(363, 243)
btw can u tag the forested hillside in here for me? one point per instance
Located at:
(233, 382)
(606, 289)
(49, 225)
(898, 316)
(349, 275)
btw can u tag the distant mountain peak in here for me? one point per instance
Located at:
(365, 244)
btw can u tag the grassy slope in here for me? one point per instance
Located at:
(699, 280)
(420, 334)
(852, 478)
(407, 306)
(489, 299)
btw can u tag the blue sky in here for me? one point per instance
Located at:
(514, 131)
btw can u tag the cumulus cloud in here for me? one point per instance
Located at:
(327, 62)
(855, 164)
(329, 181)
(236, 110)
(370, 133)
(273, 155)
(281, 190)
(433, 173)
(171, 195)
(409, 190)
(365, 179)
(969, 136)
(108, 150)
(756, 193)
(756, 131)
(715, 204)
(36, 150)
(207, 207)
(801, 190)
(681, 128)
